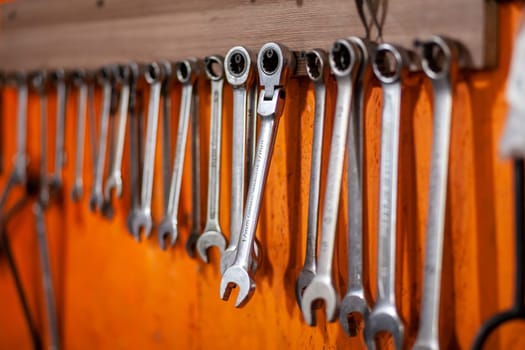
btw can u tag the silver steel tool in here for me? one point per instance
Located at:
(104, 77)
(141, 218)
(166, 128)
(187, 72)
(58, 78)
(275, 64)
(345, 58)
(212, 235)
(390, 67)
(354, 306)
(39, 81)
(439, 60)
(240, 71)
(317, 71)
(79, 80)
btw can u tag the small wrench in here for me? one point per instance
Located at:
(187, 72)
(79, 80)
(104, 77)
(58, 78)
(354, 302)
(240, 71)
(40, 84)
(439, 58)
(345, 59)
(195, 231)
(212, 235)
(142, 217)
(317, 71)
(275, 64)
(166, 129)
(390, 66)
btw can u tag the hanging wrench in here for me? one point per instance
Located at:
(58, 78)
(317, 71)
(40, 84)
(355, 302)
(18, 175)
(166, 129)
(240, 71)
(195, 231)
(390, 67)
(439, 61)
(345, 59)
(275, 64)
(104, 77)
(212, 235)
(187, 72)
(251, 132)
(79, 80)
(142, 217)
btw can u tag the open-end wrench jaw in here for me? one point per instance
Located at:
(344, 58)
(275, 65)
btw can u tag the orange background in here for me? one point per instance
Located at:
(113, 292)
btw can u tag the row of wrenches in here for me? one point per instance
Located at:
(355, 63)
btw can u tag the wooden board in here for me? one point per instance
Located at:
(78, 33)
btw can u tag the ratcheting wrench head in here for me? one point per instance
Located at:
(275, 65)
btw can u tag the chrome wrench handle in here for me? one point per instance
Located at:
(166, 129)
(317, 71)
(40, 83)
(440, 74)
(186, 73)
(345, 57)
(58, 77)
(79, 79)
(275, 63)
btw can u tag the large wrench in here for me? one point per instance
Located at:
(195, 231)
(79, 80)
(104, 78)
(187, 72)
(142, 216)
(439, 59)
(317, 71)
(275, 64)
(18, 175)
(166, 129)
(212, 235)
(354, 302)
(345, 59)
(390, 66)
(240, 71)
(40, 84)
(58, 78)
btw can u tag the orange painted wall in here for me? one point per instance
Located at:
(115, 293)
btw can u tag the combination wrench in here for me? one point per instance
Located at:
(439, 60)
(166, 129)
(390, 67)
(79, 80)
(126, 75)
(195, 230)
(59, 80)
(239, 70)
(142, 217)
(354, 302)
(275, 64)
(18, 175)
(40, 84)
(317, 71)
(187, 72)
(345, 59)
(212, 235)
(104, 77)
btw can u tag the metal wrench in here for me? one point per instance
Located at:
(142, 217)
(187, 72)
(439, 60)
(166, 129)
(104, 77)
(390, 66)
(275, 64)
(354, 302)
(58, 78)
(79, 79)
(212, 235)
(345, 58)
(317, 71)
(40, 84)
(240, 71)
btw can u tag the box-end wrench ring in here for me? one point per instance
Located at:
(344, 58)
